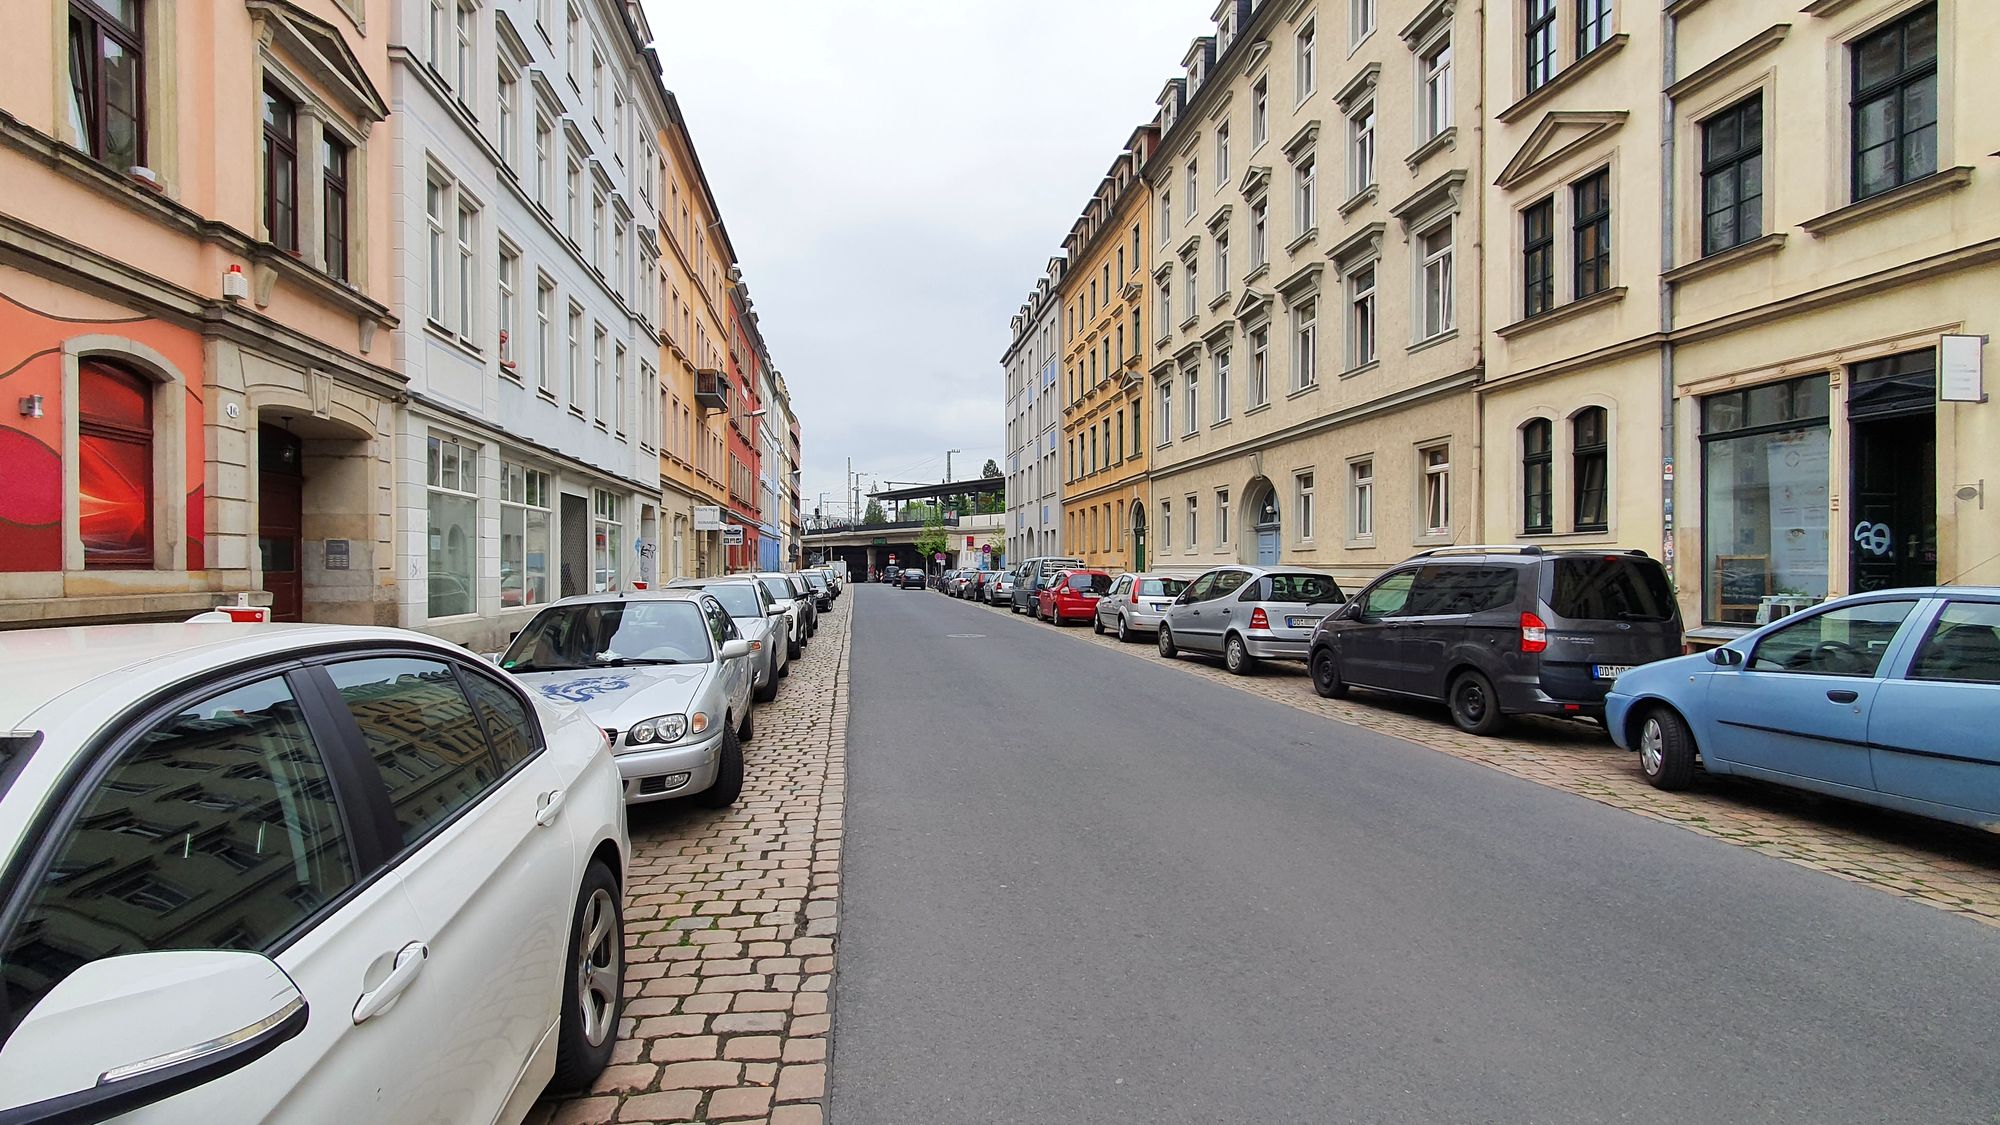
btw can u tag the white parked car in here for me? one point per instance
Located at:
(668, 677)
(797, 606)
(297, 874)
(761, 621)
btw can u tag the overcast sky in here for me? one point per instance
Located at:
(894, 174)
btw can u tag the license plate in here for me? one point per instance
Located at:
(1301, 622)
(1158, 607)
(1611, 671)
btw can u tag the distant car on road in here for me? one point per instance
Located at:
(1889, 698)
(911, 579)
(961, 582)
(1072, 595)
(1029, 577)
(822, 590)
(1000, 590)
(262, 872)
(1249, 613)
(1498, 631)
(1136, 603)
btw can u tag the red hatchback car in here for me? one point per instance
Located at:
(1071, 596)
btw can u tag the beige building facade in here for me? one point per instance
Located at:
(1787, 378)
(1316, 288)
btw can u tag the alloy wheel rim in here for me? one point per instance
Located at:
(597, 961)
(1651, 749)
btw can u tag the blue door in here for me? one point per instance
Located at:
(1267, 546)
(1931, 731)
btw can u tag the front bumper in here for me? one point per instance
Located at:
(1616, 709)
(648, 775)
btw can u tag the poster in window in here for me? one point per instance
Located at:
(1798, 467)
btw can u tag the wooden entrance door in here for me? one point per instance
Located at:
(280, 520)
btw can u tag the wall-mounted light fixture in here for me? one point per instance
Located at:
(31, 406)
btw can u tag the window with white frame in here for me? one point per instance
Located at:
(437, 45)
(463, 52)
(467, 249)
(452, 495)
(1165, 423)
(618, 235)
(1222, 261)
(1306, 58)
(1260, 246)
(1360, 20)
(1222, 154)
(1302, 488)
(1435, 248)
(597, 89)
(574, 30)
(545, 331)
(607, 538)
(597, 230)
(1361, 498)
(1166, 300)
(573, 360)
(1361, 316)
(1166, 524)
(1193, 183)
(545, 162)
(618, 389)
(1193, 301)
(1167, 215)
(1222, 384)
(600, 375)
(437, 194)
(1436, 463)
(1191, 377)
(1434, 114)
(1193, 522)
(1361, 148)
(1260, 366)
(1222, 517)
(573, 209)
(1260, 112)
(524, 536)
(507, 113)
(1305, 219)
(509, 280)
(1305, 344)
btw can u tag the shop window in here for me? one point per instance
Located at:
(453, 531)
(524, 537)
(1765, 474)
(114, 466)
(606, 541)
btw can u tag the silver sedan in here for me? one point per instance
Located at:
(1136, 603)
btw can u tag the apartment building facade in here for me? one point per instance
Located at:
(1782, 391)
(1316, 288)
(1033, 365)
(195, 321)
(1104, 365)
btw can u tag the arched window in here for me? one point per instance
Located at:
(1537, 511)
(1590, 449)
(114, 466)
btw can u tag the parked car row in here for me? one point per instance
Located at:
(223, 839)
(1888, 697)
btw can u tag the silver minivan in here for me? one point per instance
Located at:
(1033, 574)
(1136, 603)
(1249, 613)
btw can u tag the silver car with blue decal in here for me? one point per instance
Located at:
(666, 675)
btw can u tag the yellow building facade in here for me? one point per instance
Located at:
(1102, 298)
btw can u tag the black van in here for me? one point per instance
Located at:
(1498, 631)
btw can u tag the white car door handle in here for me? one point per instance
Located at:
(409, 962)
(551, 804)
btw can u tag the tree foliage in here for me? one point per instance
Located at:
(873, 515)
(991, 470)
(933, 538)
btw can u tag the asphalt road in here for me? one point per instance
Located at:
(1080, 887)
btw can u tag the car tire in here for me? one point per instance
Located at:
(728, 775)
(1666, 749)
(593, 983)
(1326, 674)
(793, 648)
(747, 729)
(1097, 623)
(1236, 656)
(785, 667)
(1474, 705)
(1168, 650)
(1124, 630)
(769, 691)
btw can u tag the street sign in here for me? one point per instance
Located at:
(1962, 376)
(732, 536)
(707, 517)
(940, 556)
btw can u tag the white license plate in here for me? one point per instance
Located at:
(1611, 671)
(1301, 622)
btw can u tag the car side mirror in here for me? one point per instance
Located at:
(775, 611)
(733, 649)
(121, 1033)
(1725, 657)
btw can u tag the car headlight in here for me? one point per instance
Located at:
(662, 730)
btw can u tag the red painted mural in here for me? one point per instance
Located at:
(116, 436)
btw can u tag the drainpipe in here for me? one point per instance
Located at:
(1478, 524)
(1668, 68)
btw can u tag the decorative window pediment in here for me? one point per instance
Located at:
(1304, 139)
(1303, 282)
(1256, 181)
(1557, 136)
(1358, 87)
(1435, 16)
(1220, 219)
(317, 49)
(1358, 249)
(1435, 198)
(1252, 304)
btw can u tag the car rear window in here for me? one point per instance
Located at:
(1161, 588)
(1090, 583)
(1308, 588)
(1611, 588)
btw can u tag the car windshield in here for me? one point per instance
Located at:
(1611, 588)
(1308, 588)
(779, 589)
(1161, 587)
(610, 634)
(816, 582)
(739, 598)
(1090, 583)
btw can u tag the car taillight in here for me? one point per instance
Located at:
(1258, 620)
(1135, 593)
(1534, 634)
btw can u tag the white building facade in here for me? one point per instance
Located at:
(525, 197)
(1033, 363)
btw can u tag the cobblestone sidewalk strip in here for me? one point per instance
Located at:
(730, 927)
(1946, 866)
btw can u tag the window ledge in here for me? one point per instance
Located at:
(1163, 341)
(1360, 199)
(1362, 544)
(1221, 299)
(1723, 259)
(1937, 183)
(1302, 241)
(1361, 368)
(1562, 312)
(1193, 319)
(576, 413)
(1257, 271)
(546, 395)
(1218, 423)
(1432, 341)
(1432, 539)
(1536, 100)
(1257, 409)
(1305, 390)
(1448, 138)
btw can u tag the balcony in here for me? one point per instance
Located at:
(711, 389)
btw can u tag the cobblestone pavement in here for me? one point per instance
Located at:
(730, 927)
(1951, 868)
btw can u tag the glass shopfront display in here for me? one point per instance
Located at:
(1765, 493)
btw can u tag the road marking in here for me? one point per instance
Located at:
(964, 636)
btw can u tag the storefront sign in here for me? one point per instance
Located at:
(732, 536)
(707, 518)
(1961, 376)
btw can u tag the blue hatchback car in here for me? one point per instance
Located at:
(1890, 698)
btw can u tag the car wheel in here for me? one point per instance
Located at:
(1236, 656)
(1167, 648)
(792, 648)
(593, 983)
(747, 729)
(1666, 749)
(769, 691)
(1124, 630)
(1097, 623)
(785, 667)
(1474, 705)
(728, 775)
(1326, 674)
